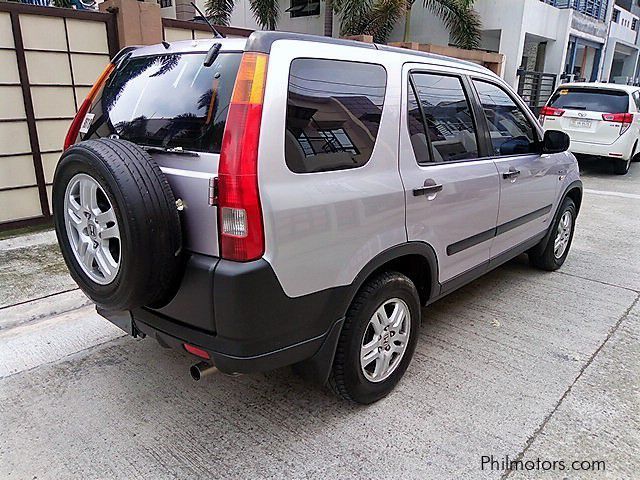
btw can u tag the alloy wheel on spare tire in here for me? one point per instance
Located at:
(117, 224)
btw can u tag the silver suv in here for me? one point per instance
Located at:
(295, 200)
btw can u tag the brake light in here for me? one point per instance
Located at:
(547, 111)
(74, 128)
(239, 211)
(624, 119)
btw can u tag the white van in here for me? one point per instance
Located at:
(601, 119)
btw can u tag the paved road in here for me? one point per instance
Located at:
(520, 363)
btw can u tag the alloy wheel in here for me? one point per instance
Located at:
(563, 234)
(385, 340)
(92, 228)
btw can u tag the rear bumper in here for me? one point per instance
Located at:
(621, 148)
(241, 316)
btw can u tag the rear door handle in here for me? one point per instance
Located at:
(512, 173)
(429, 189)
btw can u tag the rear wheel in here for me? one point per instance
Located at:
(377, 340)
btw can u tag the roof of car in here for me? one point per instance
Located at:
(604, 86)
(261, 41)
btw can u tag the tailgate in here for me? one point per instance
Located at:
(191, 179)
(582, 113)
(587, 127)
(175, 107)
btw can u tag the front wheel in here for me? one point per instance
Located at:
(559, 243)
(377, 340)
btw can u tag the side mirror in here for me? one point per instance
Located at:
(555, 142)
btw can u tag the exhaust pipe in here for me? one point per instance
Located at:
(202, 369)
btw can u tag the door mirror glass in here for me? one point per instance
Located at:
(555, 142)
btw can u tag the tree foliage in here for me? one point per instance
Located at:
(366, 17)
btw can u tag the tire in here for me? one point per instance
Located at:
(348, 378)
(621, 167)
(138, 262)
(547, 258)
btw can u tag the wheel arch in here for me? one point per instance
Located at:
(416, 260)
(574, 192)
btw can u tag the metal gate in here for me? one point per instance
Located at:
(535, 88)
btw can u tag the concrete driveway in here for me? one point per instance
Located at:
(536, 366)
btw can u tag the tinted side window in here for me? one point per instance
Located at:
(511, 132)
(333, 114)
(417, 132)
(449, 122)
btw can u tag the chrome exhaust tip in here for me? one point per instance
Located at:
(202, 369)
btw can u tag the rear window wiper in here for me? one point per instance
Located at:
(212, 54)
(575, 107)
(169, 150)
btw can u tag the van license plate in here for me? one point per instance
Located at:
(582, 123)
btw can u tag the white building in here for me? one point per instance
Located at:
(544, 41)
(621, 54)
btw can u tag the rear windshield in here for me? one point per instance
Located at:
(591, 99)
(167, 101)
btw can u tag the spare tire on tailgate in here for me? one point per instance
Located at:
(117, 224)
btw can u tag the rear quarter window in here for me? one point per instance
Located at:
(591, 99)
(334, 110)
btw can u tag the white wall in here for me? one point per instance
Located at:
(517, 18)
(425, 28)
(621, 30)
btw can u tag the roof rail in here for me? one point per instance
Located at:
(261, 41)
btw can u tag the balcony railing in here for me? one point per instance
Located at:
(594, 8)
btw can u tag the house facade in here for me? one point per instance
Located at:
(545, 42)
(623, 48)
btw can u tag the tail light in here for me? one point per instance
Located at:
(239, 211)
(547, 111)
(76, 124)
(624, 119)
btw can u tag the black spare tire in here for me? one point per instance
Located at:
(117, 224)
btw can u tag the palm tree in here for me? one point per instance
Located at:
(371, 17)
(266, 12)
(368, 17)
(460, 18)
(377, 18)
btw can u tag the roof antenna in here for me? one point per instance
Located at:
(216, 33)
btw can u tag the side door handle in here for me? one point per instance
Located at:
(512, 174)
(430, 189)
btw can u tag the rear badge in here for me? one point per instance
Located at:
(86, 123)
